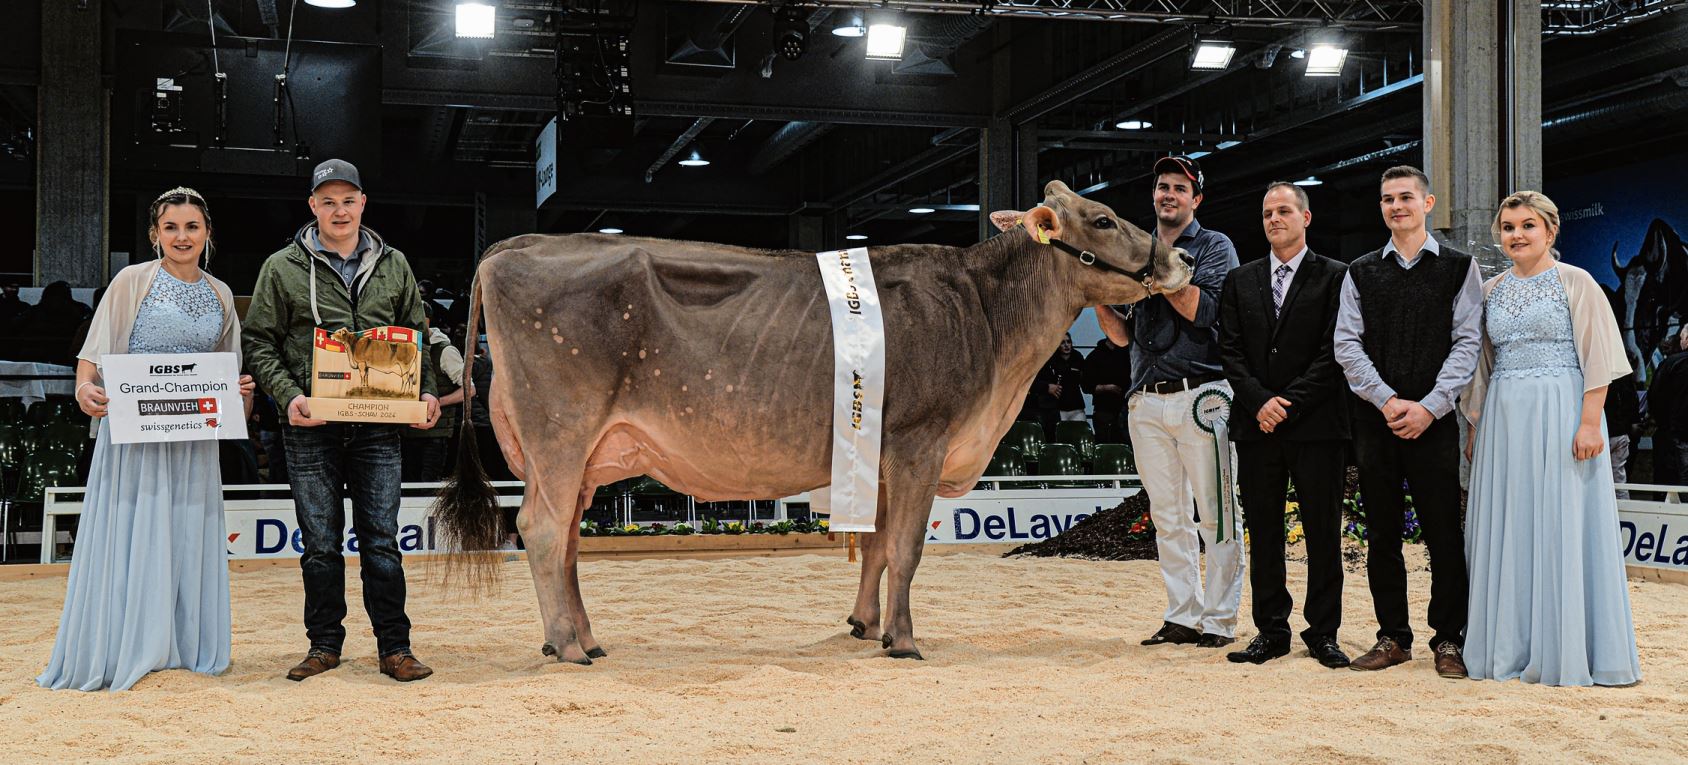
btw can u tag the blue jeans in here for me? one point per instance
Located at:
(326, 464)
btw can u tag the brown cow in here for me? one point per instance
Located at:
(366, 353)
(709, 368)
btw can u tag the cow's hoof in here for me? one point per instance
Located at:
(884, 641)
(906, 653)
(548, 650)
(596, 653)
(858, 629)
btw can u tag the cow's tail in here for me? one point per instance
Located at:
(466, 513)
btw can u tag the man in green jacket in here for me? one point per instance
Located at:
(337, 274)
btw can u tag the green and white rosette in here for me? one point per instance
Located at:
(1212, 411)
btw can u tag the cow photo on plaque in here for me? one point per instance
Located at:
(369, 376)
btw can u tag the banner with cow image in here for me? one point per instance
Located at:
(372, 376)
(160, 397)
(1626, 225)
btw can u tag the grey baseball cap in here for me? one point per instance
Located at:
(335, 170)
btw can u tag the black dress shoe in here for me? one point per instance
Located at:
(1210, 640)
(1328, 653)
(1260, 650)
(1173, 633)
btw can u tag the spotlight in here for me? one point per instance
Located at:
(885, 41)
(476, 19)
(851, 25)
(1298, 53)
(856, 237)
(695, 160)
(791, 32)
(1309, 181)
(1325, 60)
(1212, 55)
(922, 210)
(1134, 125)
(609, 230)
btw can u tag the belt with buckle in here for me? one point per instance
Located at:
(1180, 385)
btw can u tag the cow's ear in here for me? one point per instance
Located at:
(1041, 222)
(1006, 219)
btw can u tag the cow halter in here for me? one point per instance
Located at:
(1144, 275)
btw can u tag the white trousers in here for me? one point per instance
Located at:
(1176, 460)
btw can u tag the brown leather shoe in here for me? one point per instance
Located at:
(317, 661)
(1449, 662)
(1387, 653)
(404, 667)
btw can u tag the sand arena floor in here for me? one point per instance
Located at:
(748, 660)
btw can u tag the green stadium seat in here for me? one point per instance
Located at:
(1114, 459)
(1027, 437)
(1078, 435)
(1006, 462)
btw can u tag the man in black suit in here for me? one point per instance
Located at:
(1289, 420)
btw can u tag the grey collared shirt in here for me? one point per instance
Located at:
(1456, 371)
(1164, 345)
(347, 267)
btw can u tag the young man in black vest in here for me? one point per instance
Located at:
(1407, 336)
(1289, 422)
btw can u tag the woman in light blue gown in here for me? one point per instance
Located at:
(149, 580)
(1549, 601)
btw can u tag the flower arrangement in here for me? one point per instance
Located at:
(1354, 509)
(709, 526)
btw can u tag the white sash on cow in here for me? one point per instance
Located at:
(858, 389)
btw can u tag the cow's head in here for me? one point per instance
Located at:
(1129, 264)
(344, 337)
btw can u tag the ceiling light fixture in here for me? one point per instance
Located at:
(1309, 181)
(695, 160)
(476, 19)
(332, 3)
(611, 230)
(1325, 60)
(1211, 55)
(791, 32)
(1134, 125)
(885, 41)
(851, 25)
(856, 237)
(922, 210)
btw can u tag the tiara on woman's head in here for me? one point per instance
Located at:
(180, 191)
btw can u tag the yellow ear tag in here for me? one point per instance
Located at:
(1042, 234)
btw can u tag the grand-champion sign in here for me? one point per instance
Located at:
(158, 397)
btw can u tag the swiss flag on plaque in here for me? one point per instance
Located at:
(208, 406)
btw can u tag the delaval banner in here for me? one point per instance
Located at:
(994, 517)
(275, 533)
(1654, 534)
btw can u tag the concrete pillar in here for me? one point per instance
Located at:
(996, 173)
(1028, 187)
(1482, 114)
(71, 190)
(808, 233)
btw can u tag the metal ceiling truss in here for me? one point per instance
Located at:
(1361, 15)
(1577, 18)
